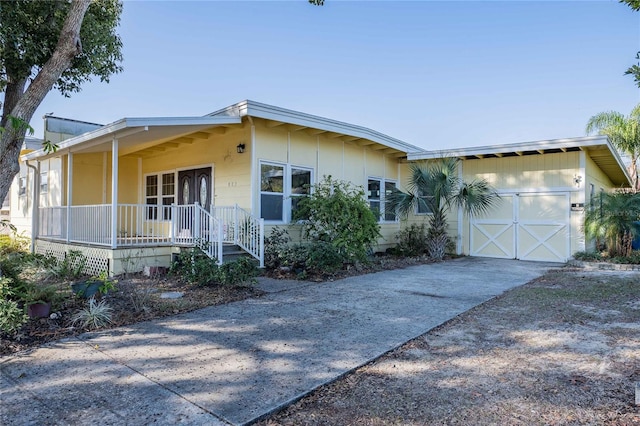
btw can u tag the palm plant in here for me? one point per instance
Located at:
(624, 133)
(613, 219)
(436, 188)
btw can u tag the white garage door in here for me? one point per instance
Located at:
(524, 226)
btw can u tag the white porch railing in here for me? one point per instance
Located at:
(243, 229)
(150, 224)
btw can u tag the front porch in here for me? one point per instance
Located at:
(113, 229)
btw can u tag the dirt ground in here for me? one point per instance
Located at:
(561, 350)
(136, 299)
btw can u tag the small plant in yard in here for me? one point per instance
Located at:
(106, 283)
(195, 267)
(275, 247)
(71, 267)
(412, 240)
(613, 220)
(11, 315)
(240, 271)
(589, 256)
(96, 314)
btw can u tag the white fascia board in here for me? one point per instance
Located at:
(579, 142)
(117, 128)
(513, 147)
(271, 112)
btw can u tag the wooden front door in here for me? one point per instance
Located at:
(195, 186)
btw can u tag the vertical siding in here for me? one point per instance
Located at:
(87, 179)
(231, 170)
(327, 154)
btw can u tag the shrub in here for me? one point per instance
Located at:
(94, 315)
(412, 241)
(195, 267)
(322, 258)
(13, 244)
(613, 220)
(633, 258)
(337, 213)
(275, 247)
(71, 267)
(588, 256)
(240, 271)
(12, 317)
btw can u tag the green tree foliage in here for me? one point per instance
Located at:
(624, 133)
(634, 70)
(437, 187)
(57, 44)
(612, 220)
(337, 213)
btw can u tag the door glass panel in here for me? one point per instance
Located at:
(203, 191)
(185, 191)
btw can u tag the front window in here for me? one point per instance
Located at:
(44, 183)
(424, 203)
(300, 186)
(22, 185)
(282, 186)
(271, 192)
(159, 191)
(378, 192)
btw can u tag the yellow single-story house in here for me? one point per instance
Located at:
(132, 193)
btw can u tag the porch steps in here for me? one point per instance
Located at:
(231, 252)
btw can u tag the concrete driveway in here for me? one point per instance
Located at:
(237, 362)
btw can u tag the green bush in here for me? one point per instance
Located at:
(196, 268)
(588, 256)
(275, 247)
(322, 258)
(337, 213)
(71, 267)
(412, 241)
(12, 317)
(632, 259)
(13, 244)
(240, 271)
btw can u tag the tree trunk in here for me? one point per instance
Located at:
(26, 103)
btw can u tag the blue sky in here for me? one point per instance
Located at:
(439, 75)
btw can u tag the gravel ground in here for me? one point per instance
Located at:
(561, 350)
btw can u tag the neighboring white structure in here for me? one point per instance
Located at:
(47, 174)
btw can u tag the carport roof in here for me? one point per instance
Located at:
(599, 149)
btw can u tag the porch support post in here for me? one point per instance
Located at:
(35, 204)
(114, 193)
(69, 191)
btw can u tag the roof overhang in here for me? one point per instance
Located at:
(134, 134)
(317, 125)
(599, 149)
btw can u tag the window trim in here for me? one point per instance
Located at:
(44, 182)
(286, 194)
(417, 211)
(159, 197)
(22, 189)
(382, 198)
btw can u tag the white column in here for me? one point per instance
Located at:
(459, 245)
(114, 192)
(69, 191)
